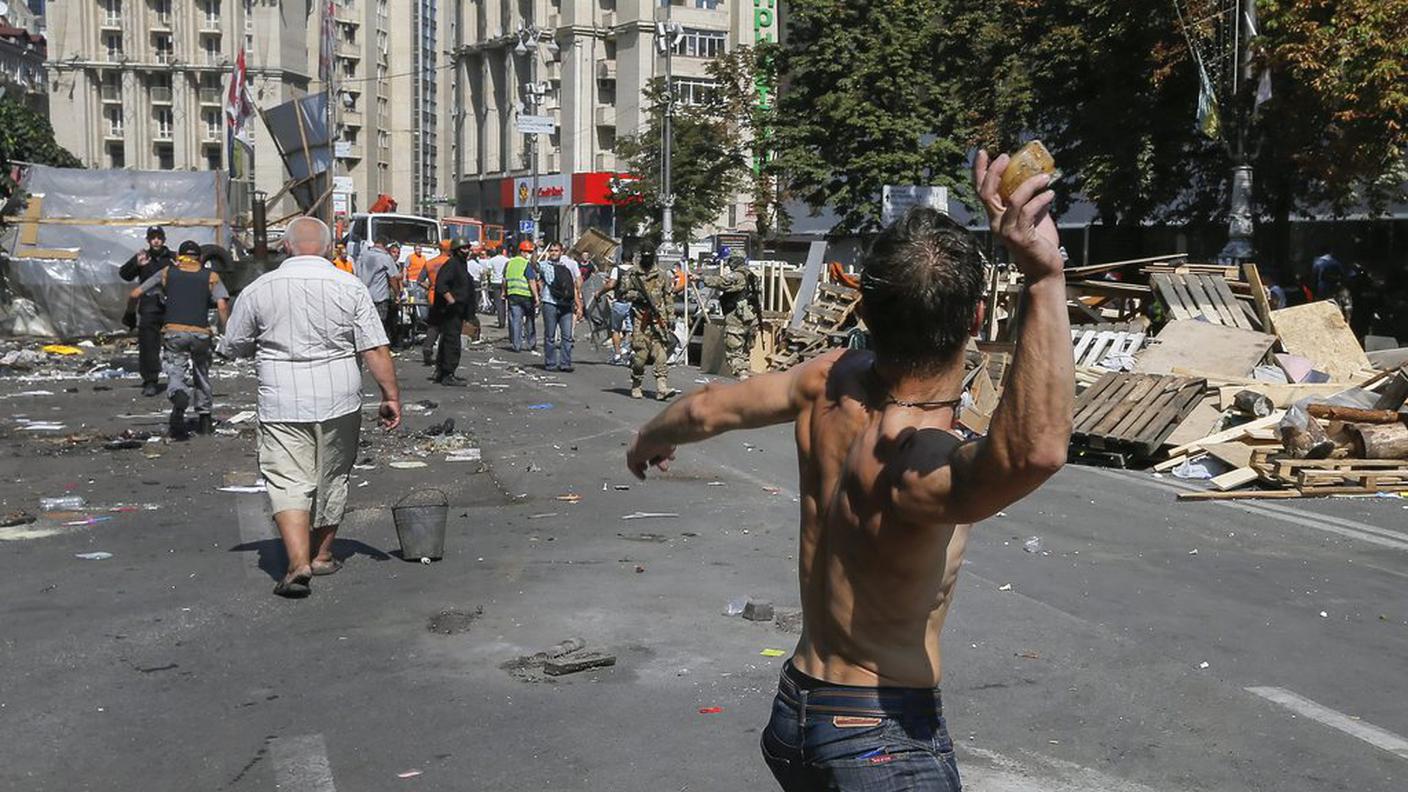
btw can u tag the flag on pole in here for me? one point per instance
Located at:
(1263, 89)
(1209, 121)
(238, 110)
(328, 40)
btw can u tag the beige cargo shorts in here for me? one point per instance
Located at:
(305, 465)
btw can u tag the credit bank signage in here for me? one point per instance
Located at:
(554, 190)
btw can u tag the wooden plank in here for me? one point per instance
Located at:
(1259, 300)
(1190, 303)
(1201, 421)
(1229, 301)
(1206, 304)
(1317, 332)
(1211, 349)
(1087, 337)
(1233, 479)
(1136, 423)
(1235, 455)
(46, 253)
(1167, 420)
(1091, 400)
(1227, 435)
(1170, 464)
(1280, 395)
(1094, 269)
(1132, 400)
(29, 226)
(1171, 298)
(1109, 401)
(1240, 495)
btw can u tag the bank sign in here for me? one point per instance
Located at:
(554, 190)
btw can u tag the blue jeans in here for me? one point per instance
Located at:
(838, 737)
(557, 336)
(522, 330)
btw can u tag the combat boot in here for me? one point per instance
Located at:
(205, 424)
(663, 391)
(177, 424)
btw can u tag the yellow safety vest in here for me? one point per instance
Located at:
(516, 277)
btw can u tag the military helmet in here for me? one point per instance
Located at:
(737, 259)
(458, 243)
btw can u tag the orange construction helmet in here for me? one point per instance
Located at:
(444, 246)
(525, 246)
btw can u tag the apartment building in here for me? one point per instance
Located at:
(23, 52)
(585, 64)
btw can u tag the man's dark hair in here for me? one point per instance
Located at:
(920, 290)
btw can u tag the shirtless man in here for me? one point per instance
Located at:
(889, 492)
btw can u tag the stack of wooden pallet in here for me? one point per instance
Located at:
(1205, 297)
(1124, 418)
(824, 322)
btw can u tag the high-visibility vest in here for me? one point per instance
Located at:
(516, 277)
(433, 266)
(414, 266)
(344, 264)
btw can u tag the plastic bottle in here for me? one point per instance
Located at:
(65, 503)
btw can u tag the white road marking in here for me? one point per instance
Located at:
(1369, 733)
(989, 771)
(1335, 525)
(301, 763)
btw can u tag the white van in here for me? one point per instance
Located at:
(411, 231)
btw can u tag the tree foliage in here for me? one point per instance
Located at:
(902, 91)
(712, 151)
(26, 136)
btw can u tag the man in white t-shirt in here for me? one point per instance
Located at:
(495, 270)
(620, 311)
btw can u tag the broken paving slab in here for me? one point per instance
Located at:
(577, 662)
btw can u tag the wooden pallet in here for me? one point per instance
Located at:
(1332, 476)
(1199, 296)
(1133, 413)
(823, 322)
(1094, 343)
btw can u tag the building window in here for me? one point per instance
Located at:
(112, 13)
(691, 91)
(162, 122)
(210, 92)
(165, 157)
(161, 12)
(212, 122)
(210, 49)
(111, 87)
(697, 43)
(113, 117)
(212, 158)
(165, 52)
(212, 13)
(117, 156)
(159, 86)
(113, 43)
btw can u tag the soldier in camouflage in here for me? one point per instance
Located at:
(652, 300)
(738, 297)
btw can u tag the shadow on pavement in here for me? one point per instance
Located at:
(273, 561)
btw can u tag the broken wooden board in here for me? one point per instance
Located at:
(1228, 435)
(1233, 479)
(1210, 348)
(1235, 455)
(1205, 417)
(1094, 343)
(1199, 296)
(1282, 396)
(1317, 332)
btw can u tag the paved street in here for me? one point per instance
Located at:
(170, 666)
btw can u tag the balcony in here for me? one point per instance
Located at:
(162, 133)
(166, 57)
(161, 95)
(608, 20)
(160, 20)
(345, 49)
(352, 118)
(111, 22)
(116, 55)
(210, 24)
(605, 116)
(605, 161)
(114, 132)
(212, 133)
(213, 58)
(211, 96)
(606, 70)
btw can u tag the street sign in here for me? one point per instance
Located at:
(342, 149)
(343, 184)
(534, 124)
(525, 227)
(899, 198)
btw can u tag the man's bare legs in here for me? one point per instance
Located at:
(323, 562)
(294, 528)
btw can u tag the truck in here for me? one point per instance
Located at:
(412, 231)
(475, 230)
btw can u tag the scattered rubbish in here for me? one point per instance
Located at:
(573, 663)
(364, 484)
(621, 487)
(363, 467)
(43, 426)
(64, 503)
(772, 490)
(425, 561)
(542, 515)
(1029, 655)
(639, 569)
(533, 467)
(1324, 615)
(408, 774)
(124, 443)
(1032, 545)
(710, 710)
(543, 406)
(772, 653)
(554, 384)
(1196, 471)
(788, 620)
(452, 622)
(408, 465)
(756, 610)
(445, 427)
(715, 484)
(241, 417)
(465, 455)
(1005, 587)
(61, 349)
(245, 489)
(735, 606)
(98, 556)
(16, 518)
(570, 497)
(1203, 664)
(87, 521)
(1194, 551)
(647, 515)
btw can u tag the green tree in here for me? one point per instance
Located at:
(712, 146)
(26, 136)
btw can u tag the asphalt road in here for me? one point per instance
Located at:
(1076, 668)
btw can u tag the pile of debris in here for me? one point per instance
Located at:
(32, 360)
(1230, 390)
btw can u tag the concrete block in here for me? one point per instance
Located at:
(757, 611)
(571, 664)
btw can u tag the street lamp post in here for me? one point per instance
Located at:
(668, 35)
(1240, 231)
(533, 93)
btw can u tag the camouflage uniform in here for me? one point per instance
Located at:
(647, 342)
(735, 289)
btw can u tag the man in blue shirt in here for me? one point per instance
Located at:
(561, 296)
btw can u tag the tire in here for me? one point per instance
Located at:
(217, 258)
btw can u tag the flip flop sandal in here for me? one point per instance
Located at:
(329, 568)
(296, 588)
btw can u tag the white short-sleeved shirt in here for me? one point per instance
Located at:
(304, 324)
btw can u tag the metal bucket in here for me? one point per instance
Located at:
(420, 524)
